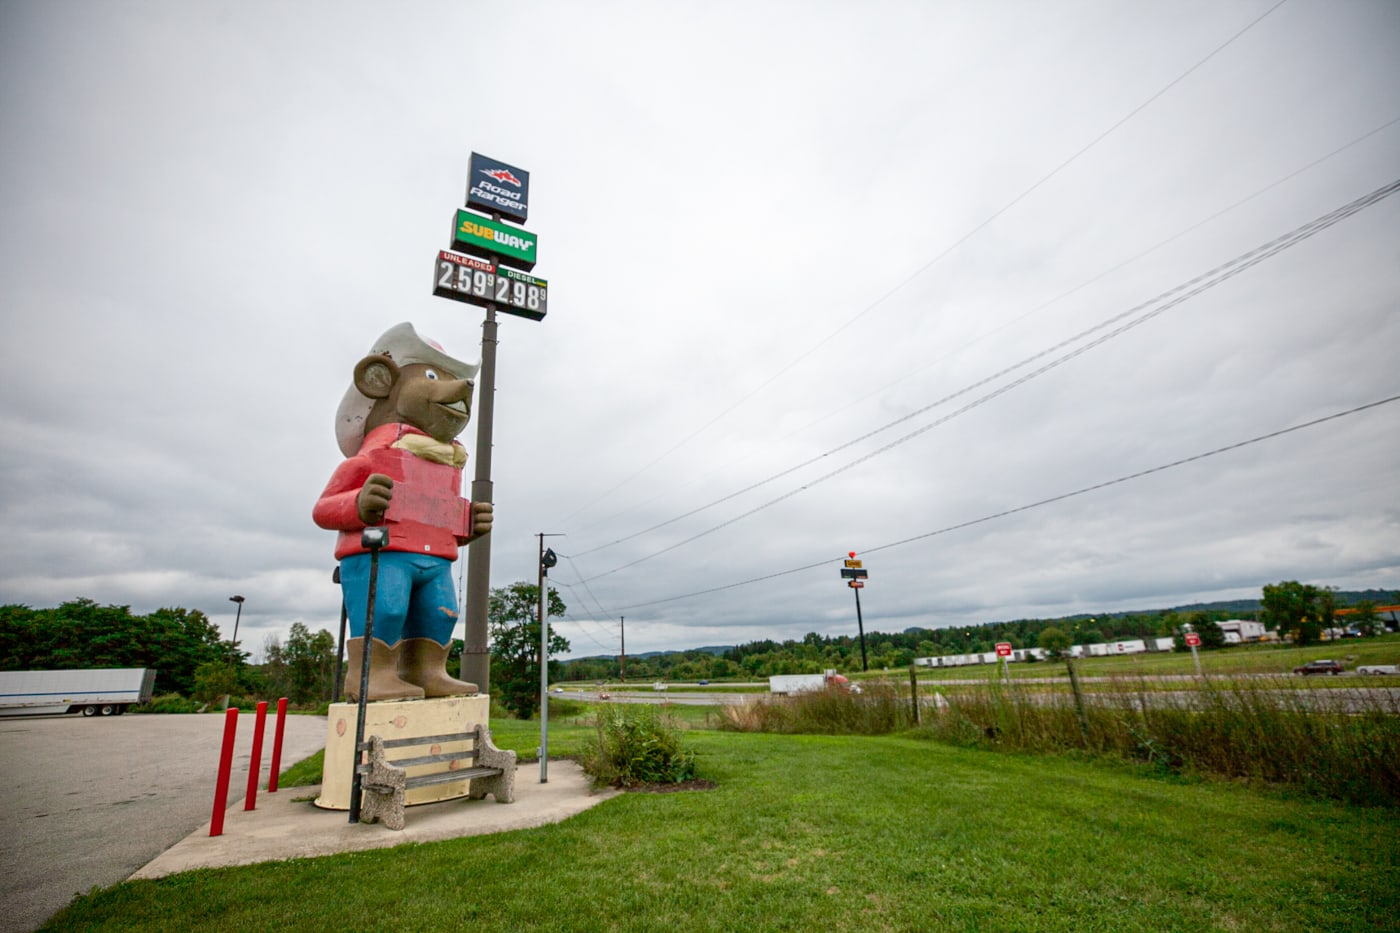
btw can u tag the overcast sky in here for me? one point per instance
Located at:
(769, 229)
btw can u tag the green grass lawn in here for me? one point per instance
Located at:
(836, 833)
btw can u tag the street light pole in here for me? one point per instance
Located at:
(236, 618)
(547, 559)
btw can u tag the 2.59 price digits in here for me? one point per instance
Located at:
(472, 281)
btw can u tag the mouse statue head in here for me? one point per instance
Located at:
(406, 380)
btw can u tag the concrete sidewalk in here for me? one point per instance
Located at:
(286, 824)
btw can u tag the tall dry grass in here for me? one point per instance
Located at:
(879, 709)
(1337, 743)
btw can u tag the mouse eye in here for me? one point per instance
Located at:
(430, 374)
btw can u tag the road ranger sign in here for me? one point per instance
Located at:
(477, 281)
(482, 236)
(496, 186)
(855, 584)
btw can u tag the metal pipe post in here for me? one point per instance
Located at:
(277, 746)
(250, 799)
(544, 669)
(216, 822)
(374, 544)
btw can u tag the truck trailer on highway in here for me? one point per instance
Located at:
(789, 684)
(95, 692)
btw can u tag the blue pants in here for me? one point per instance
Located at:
(414, 597)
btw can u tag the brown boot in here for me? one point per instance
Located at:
(384, 683)
(423, 661)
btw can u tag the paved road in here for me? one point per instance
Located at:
(93, 800)
(1364, 696)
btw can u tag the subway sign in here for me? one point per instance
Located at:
(482, 236)
(477, 281)
(497, 187)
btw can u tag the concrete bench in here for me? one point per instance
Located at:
(383, 779)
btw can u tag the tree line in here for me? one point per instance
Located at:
(1298, 611)
(190, 659)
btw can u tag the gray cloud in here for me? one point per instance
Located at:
(210, 212)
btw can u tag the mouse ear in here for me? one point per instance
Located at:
(375, 376)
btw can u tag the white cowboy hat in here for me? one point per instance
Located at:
(401, 344)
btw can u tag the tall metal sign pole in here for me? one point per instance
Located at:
(855, 575)
(486, 264)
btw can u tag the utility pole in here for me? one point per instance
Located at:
(622, 622)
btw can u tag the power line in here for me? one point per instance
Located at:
(826, 562)
(1177, 295)
(932, 262)
(833, 411)
(580, 622)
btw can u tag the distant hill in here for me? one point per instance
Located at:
(716, 650)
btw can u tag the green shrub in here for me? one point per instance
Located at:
(636, 745)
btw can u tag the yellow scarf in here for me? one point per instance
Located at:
(427, 448)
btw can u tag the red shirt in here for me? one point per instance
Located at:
(427, 514)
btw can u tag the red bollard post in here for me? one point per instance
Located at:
(250, 800)
(216, 823)
(277, 745)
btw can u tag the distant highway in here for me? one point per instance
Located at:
(1363, 695)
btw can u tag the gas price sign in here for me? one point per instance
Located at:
(478, 281)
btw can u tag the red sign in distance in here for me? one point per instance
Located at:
(1003, 649)
(856, 584)
(1192, 639)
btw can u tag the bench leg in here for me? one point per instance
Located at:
(382, 789)
(502, 786)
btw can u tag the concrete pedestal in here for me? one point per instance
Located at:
(395, 719)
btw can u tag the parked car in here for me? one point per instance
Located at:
(1320, 666)
(1378, 669)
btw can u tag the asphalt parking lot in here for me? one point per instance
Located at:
(95, 799)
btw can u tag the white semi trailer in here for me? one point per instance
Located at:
(97, 692)
(790, 684)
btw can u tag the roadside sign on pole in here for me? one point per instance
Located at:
(1003, 649)
(1192, 639)
(850, 574)
(854, 564)
(479, 281)
(482, 236)
(496, 186)
(855, 584)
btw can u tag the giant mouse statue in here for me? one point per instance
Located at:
(397, 426)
